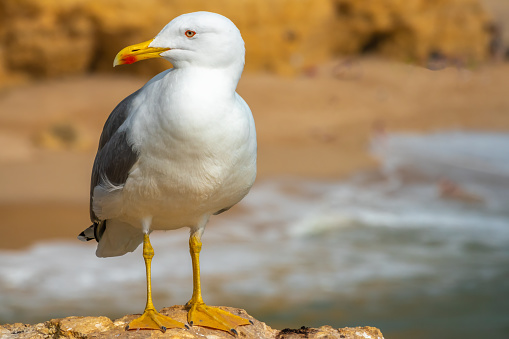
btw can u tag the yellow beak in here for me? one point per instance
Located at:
(141, 51)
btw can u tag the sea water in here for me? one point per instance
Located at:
(418, 248)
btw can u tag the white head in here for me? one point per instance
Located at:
(200, 39)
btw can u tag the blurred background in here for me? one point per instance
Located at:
(383, 190)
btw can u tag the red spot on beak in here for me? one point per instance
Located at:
(129, 59)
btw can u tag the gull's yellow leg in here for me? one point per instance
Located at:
(201, 314)
(151, 319)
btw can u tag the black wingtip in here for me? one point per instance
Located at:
(83, 237)
(87, 234)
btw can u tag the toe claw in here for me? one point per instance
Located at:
(252, 323)
(234, 331)
(163, 328)
(191, 323)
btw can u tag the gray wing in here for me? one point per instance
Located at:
(115, 156)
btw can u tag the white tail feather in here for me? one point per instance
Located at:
(118, 239)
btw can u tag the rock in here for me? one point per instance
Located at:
(414, 30)
(366, 332)
(103, 327)
(45, 38)
(80, 326)
(280, 35)
(54, 38)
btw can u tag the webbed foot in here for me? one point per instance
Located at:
(212, 317)
(153, 320)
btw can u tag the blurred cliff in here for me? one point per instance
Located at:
(51, 38)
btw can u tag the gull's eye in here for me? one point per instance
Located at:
(190, 34)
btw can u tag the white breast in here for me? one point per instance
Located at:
(197, 150)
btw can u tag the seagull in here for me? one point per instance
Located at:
(175, 152)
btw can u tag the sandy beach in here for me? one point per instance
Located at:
(316, 125)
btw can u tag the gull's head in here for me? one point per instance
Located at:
(201, 39)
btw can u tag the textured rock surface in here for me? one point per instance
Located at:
(49, 38)
(54, 38)
(102, 327)
(415, 30)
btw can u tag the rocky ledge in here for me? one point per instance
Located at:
(103, 327)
